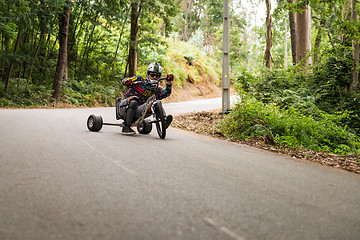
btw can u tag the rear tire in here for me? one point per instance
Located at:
(145, 127)
(94, 123)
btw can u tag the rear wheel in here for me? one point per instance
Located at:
(160, 120)
(94, 123)
(145, 127)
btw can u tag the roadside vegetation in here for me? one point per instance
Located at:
(300, 99)
(187, 62)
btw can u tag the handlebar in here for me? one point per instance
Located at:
(138, 82)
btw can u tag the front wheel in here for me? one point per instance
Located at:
(160, 119)
(94, 123)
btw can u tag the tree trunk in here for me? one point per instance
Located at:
(126, 12)
(268, 35)
(87, 49)
(42, 36)
(19, 76)
(355, 48)
(317, 44)
(184, 35)
(292, 26)
(285, 45)
(303, 37)
(61, 64)
(11, 62)
(135, 11)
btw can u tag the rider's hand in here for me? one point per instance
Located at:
(169, 78)
(129, 81)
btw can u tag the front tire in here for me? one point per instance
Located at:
(160, 119)
(94, 123)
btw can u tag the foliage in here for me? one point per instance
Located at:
(190, 64)
(97, 90)
(314, 110)
(90, 93)
(97, 42)
(252, 118)
(25, 97)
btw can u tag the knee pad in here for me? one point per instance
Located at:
(117, 108)
(133, 104)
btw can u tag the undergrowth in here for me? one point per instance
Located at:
(312, 109)
(252, 118)
(187, 62)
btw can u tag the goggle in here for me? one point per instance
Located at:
(154, 75)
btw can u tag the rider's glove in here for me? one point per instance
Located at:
(170, 77)
(129, 81)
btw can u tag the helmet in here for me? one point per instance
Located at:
(153, 68)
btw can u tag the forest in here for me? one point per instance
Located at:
(296, 68)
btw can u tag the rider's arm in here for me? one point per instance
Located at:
(130, 80)
(169, 78)
(165, 92)
(135, 88)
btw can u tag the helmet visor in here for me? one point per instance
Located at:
(154, 75)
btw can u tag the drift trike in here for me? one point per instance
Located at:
(143, 124)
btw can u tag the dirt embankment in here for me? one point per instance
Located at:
(193, 91)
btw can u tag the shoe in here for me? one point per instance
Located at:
(126, 130)
(168, 120)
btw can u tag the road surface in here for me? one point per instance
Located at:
(60, 181)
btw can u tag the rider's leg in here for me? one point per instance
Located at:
(168, 120)
(129, 116)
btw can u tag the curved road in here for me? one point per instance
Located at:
(60, 181)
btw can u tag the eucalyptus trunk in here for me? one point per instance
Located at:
(61, 64)
(11, 62)
(286, 45)
(317, 44)
(303, 37)
(268, 58)
(355, 48)
(42, 36)
(184, 34)
(134, 32)
(292, 26)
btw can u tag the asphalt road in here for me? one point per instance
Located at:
(60, 181)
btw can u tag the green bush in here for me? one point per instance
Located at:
(90, 93)
(22, 96)
(253, 118)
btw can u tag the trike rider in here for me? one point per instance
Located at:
(131, 106)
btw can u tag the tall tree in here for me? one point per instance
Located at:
(292, 33)
(285, 45)
(11, 62)
(303, 36)
(355, 48)
(61, 64)
(268, 57)
(317, 44)
(184, 34)
(42, 36)
(134, 32)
